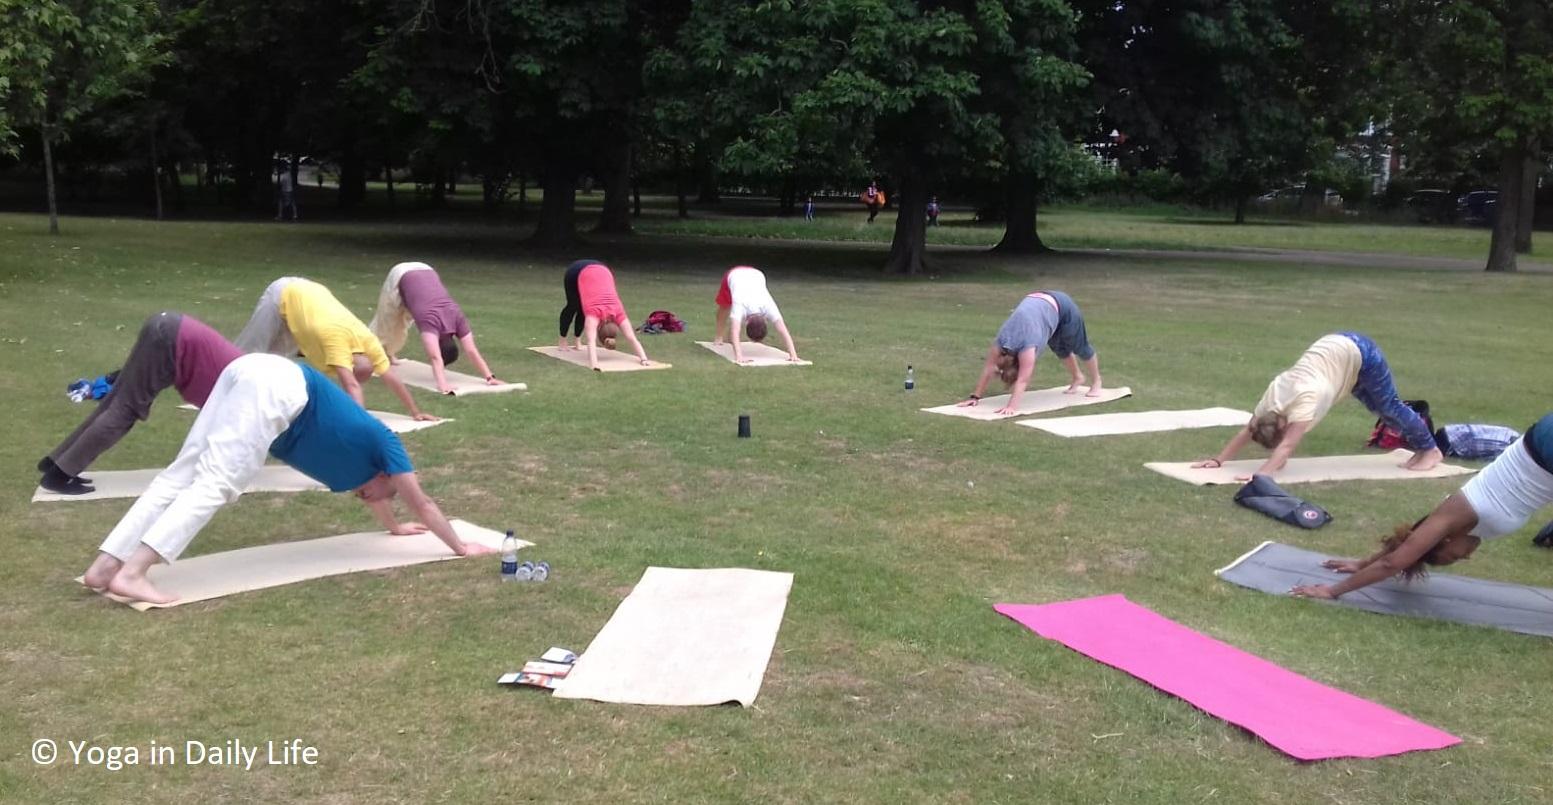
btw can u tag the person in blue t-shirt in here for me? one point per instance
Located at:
(264, 404)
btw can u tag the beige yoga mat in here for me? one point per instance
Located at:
(1139, 422)
(609, 360)
(131, 483)
(758, 354)
(398, 423)
(217, 575)
(685, 637)
(1365, 467)
(418, 374)
(1034, 402)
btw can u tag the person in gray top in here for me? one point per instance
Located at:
(1043, 318)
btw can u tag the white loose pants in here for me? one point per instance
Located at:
(254, 400)
(266, 330)
(391, 322)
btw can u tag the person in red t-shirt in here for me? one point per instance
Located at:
(172, 349)
(594, 310)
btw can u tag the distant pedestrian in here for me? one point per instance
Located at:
(287, 194)
(873, 199)
(808, 209)
(932, 211)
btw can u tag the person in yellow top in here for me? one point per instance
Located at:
(1298, 398)
(299, 315)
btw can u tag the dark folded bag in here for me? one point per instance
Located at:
(1262, 495)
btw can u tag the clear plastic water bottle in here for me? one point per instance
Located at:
(525, 572)
(542, 571)
(509, 558)
(911, 378)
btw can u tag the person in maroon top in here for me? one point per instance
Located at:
(414, 293)
(172, 349)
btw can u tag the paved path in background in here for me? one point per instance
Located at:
(1324, 258)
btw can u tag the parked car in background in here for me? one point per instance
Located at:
(1433, 206)
(1289, 198)
(1478, 207)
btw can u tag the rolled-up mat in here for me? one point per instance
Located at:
(419, 375)
(112, 484)
(609, 360)
(1294, 714)
(1276, 568)
(1139, 422)
(756, 353)
(1035, 401)
(685, 637)
(1364, 467)
(215, 575)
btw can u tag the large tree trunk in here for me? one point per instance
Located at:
(1023, 195)
(48, 173)
(1240, 209)
(388, 181)
(908, 250)
(1526, 220)
(706, 177)
(156, 174)
(558, 209)
(1507, 209)
(636, 197)
(679, 182)
(353, 179)
(616, 215)
(787, 200)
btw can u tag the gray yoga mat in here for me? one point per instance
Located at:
(1275, 568)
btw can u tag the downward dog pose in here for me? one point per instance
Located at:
(1047, 318)
(593, 304)
(298, 315)
(172, 350)
(743, 301)
(1299, 397)
(414, 292)
(1496, 502)
(263, 403)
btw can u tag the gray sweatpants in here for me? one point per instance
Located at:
(266, 331)
(148, 369)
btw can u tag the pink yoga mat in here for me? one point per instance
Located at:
(1302, 717)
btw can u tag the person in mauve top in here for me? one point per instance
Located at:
(413, 292)
(173, 349)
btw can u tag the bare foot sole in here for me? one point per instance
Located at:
(1094, 391)
(1425, 461)
(1073, 389)
(139, 589)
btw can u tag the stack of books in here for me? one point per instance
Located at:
(545, 672)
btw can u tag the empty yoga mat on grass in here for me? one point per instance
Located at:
(685, 637)
(398, 423)
(417, 374)
(1365, 467)
(1139, 422)
(609, 359)
(1296, 715)
(1275, 568)
(216, 575)
(1034, 402)
(131, 483)
(757, 353)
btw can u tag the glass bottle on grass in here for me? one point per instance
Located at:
(911, 378)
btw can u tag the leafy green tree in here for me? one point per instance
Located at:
(61, 58)
(1479, 71)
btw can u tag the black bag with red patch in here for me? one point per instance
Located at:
(1388, 438)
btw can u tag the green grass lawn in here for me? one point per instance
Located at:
(892, 680)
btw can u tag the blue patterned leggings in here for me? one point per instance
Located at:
(1379, 394)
